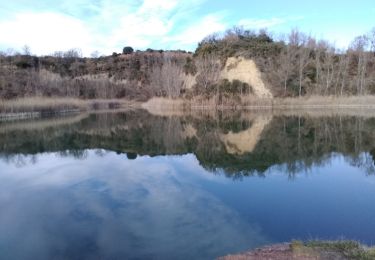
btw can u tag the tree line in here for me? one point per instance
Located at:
(294, 64)
(298, 64)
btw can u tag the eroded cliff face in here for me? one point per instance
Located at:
(245, 70)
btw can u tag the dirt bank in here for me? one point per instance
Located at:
(317, 250)
(245, 70)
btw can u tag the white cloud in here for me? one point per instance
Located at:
(152, 23)
(44, 32)
(267, 22)
(105, 26)
(261, 23)
(147, 24)
(341, 39)
(158, 5)
(196, 32)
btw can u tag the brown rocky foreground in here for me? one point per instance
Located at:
(307, 251)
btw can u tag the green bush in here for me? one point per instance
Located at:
(127, 50)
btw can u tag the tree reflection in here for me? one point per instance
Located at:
(235, 144)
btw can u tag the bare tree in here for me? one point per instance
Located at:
(171, 76)
(321, 48)
(10, 52)
(298, 41)
(58, 54)
(168, 78)
(359, 46)
(26, 50)
(303, 59)
(343, 71)
(73, 53)
(95, 54)
(287, 58)
(372, 40)
(328, 69)
(209, 68)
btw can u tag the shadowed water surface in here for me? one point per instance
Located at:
(132, 185)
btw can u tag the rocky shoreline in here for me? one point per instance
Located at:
(317, 250)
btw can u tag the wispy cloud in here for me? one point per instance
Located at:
(260, 23)
(109, 25)
(105, 26)
(267, 23)
(192, 34)
(44, 32)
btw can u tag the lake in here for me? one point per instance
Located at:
(132, 185)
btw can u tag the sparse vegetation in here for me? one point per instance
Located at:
(296, 65)
(346, 248)
(113, 77)
(310, 250)
(57, 105)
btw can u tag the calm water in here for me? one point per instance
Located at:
(135, 186)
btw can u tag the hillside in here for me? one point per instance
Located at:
(224, 69)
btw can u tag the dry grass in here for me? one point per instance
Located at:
(325, 101)
(36, 104)
(35, 107)
(315, 106)
(312, 250)
(161, 106)
(58, 105)
(164, 106)
(250, 101)
(253, 102)
(200, 102)
(156, 103)
(310, 102)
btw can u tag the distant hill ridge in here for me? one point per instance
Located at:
(224, 68)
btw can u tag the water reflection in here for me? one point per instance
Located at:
(133, 185)
(114, 209)
(239, 144)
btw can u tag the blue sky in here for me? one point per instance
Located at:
(108, 25)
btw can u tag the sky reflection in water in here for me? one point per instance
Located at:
(113, 207)
(103, 205)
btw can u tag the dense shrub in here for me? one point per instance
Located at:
(127, 50)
